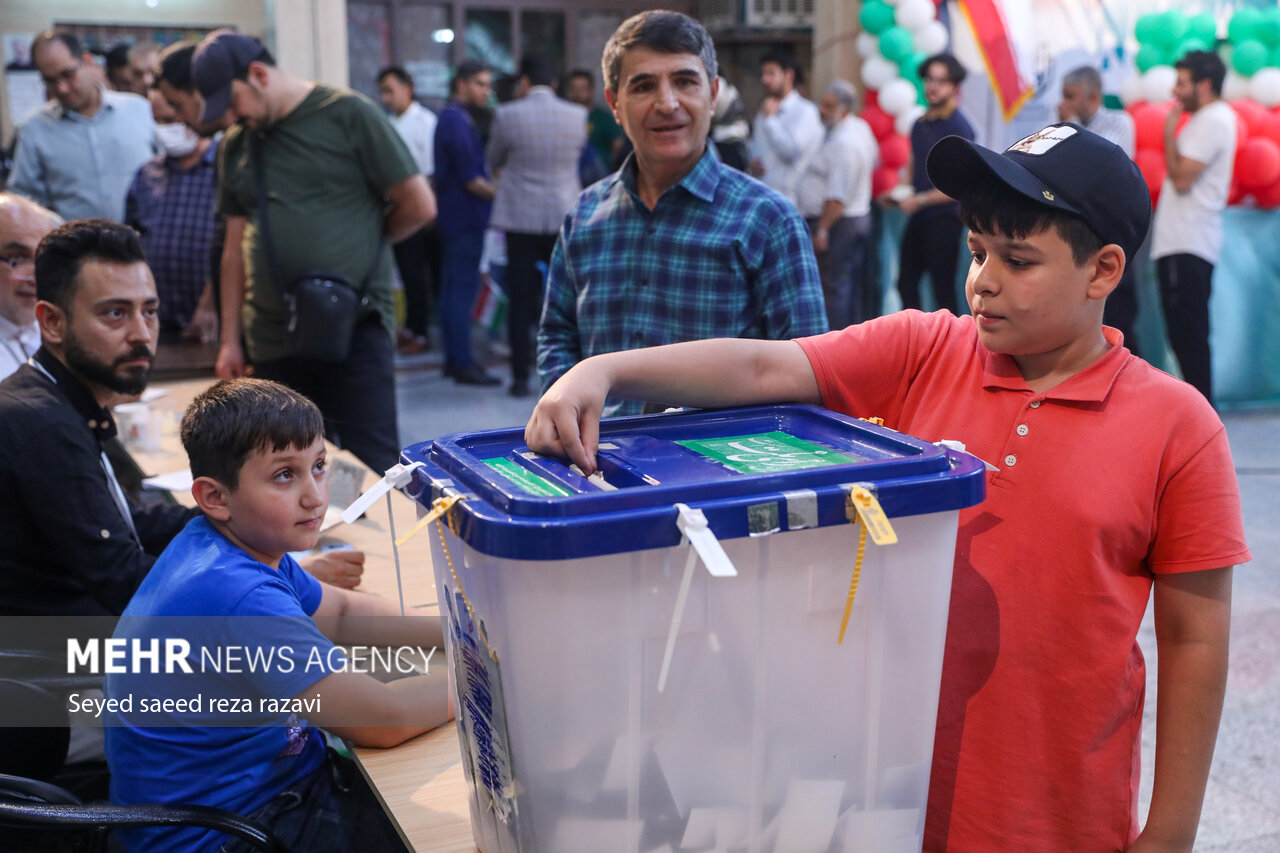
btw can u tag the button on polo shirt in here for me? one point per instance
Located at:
(1042, 686)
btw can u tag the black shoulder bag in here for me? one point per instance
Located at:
(321, 308)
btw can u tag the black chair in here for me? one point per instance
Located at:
(41, 816)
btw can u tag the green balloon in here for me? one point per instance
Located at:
(1244, 25)
(876, 16)
(1173, 28)
(1249, 57)
(895, 43)
(1275, 57)
(920, 99)
(909, 65)
(1147, 30)
(1149, 56)
(1189, 44)
(1203, 27)
(1268, 28)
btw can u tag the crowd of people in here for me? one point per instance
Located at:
(209, 192)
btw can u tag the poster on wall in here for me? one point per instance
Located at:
(23, 86)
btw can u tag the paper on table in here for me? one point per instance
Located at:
(154, 394)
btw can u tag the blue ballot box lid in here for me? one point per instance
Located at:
(751, 471)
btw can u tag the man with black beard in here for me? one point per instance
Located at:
(71, 542)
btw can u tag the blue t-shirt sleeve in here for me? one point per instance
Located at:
(308, 589)
(274, 617)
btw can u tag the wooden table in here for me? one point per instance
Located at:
(420, 783)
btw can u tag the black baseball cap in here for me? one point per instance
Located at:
(1064, 167)
(222, 58)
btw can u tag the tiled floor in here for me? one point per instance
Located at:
(1242, 806)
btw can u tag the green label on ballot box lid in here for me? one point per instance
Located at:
(765, 453)
(524, 478)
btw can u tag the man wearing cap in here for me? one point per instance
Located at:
(77, 154)
(342, 185)
(1111, 485)
(834, 196)
(1186, 237)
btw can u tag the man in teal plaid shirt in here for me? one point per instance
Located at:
(674, 246)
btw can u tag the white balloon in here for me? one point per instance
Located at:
(1264, 86)
(931, 38)
(1235, 87)
(897, 97)
(1132, 90)
(1157, 83)
(913, 14)
(877, 71)
(903, 123)
(867, 45)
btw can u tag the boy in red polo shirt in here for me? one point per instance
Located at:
(1112, 479)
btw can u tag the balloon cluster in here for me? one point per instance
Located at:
(1252, 55)
(897, 35)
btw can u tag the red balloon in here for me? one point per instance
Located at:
(883, 179)
(1253, 115)
(1268, 197)
(1148, 126)
(1151, 164)
(880, 121)
(1257, 164)
(1270, 128)
(895, 151)
(871, 98)
(1235, 194)
(1133, 108)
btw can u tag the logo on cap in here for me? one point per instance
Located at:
(1043, 141)
(1048, 195)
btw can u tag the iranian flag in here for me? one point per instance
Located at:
(490, 311)
(991, 32)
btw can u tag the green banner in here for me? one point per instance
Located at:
(765, 453)
(525, 479)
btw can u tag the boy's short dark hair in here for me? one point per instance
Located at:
(397, 72)
(1204, 65)
(992, 207)
(660, 31)
(173, 65)
(63, 252)
(229, 422)
(955, 71)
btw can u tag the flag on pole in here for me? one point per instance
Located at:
(991, 32)
(490, 310)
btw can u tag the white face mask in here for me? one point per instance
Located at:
(176, 140)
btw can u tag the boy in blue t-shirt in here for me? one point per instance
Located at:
(230, 720)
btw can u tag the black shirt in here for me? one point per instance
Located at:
(65, 546)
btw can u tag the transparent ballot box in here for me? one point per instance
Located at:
(664, 656)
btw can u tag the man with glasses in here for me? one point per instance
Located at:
(78, 153)
(931, 241)
(23, 224)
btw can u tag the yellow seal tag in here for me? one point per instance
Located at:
(863, 504)
(440, 507)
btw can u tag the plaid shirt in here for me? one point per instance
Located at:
(720, 255)
(173, 210)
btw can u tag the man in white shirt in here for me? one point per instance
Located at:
(788, 128)
(23, 224)
(1186, 235)
(420, 252)
(833, 194)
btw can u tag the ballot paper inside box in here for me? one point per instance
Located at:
(615, 695)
